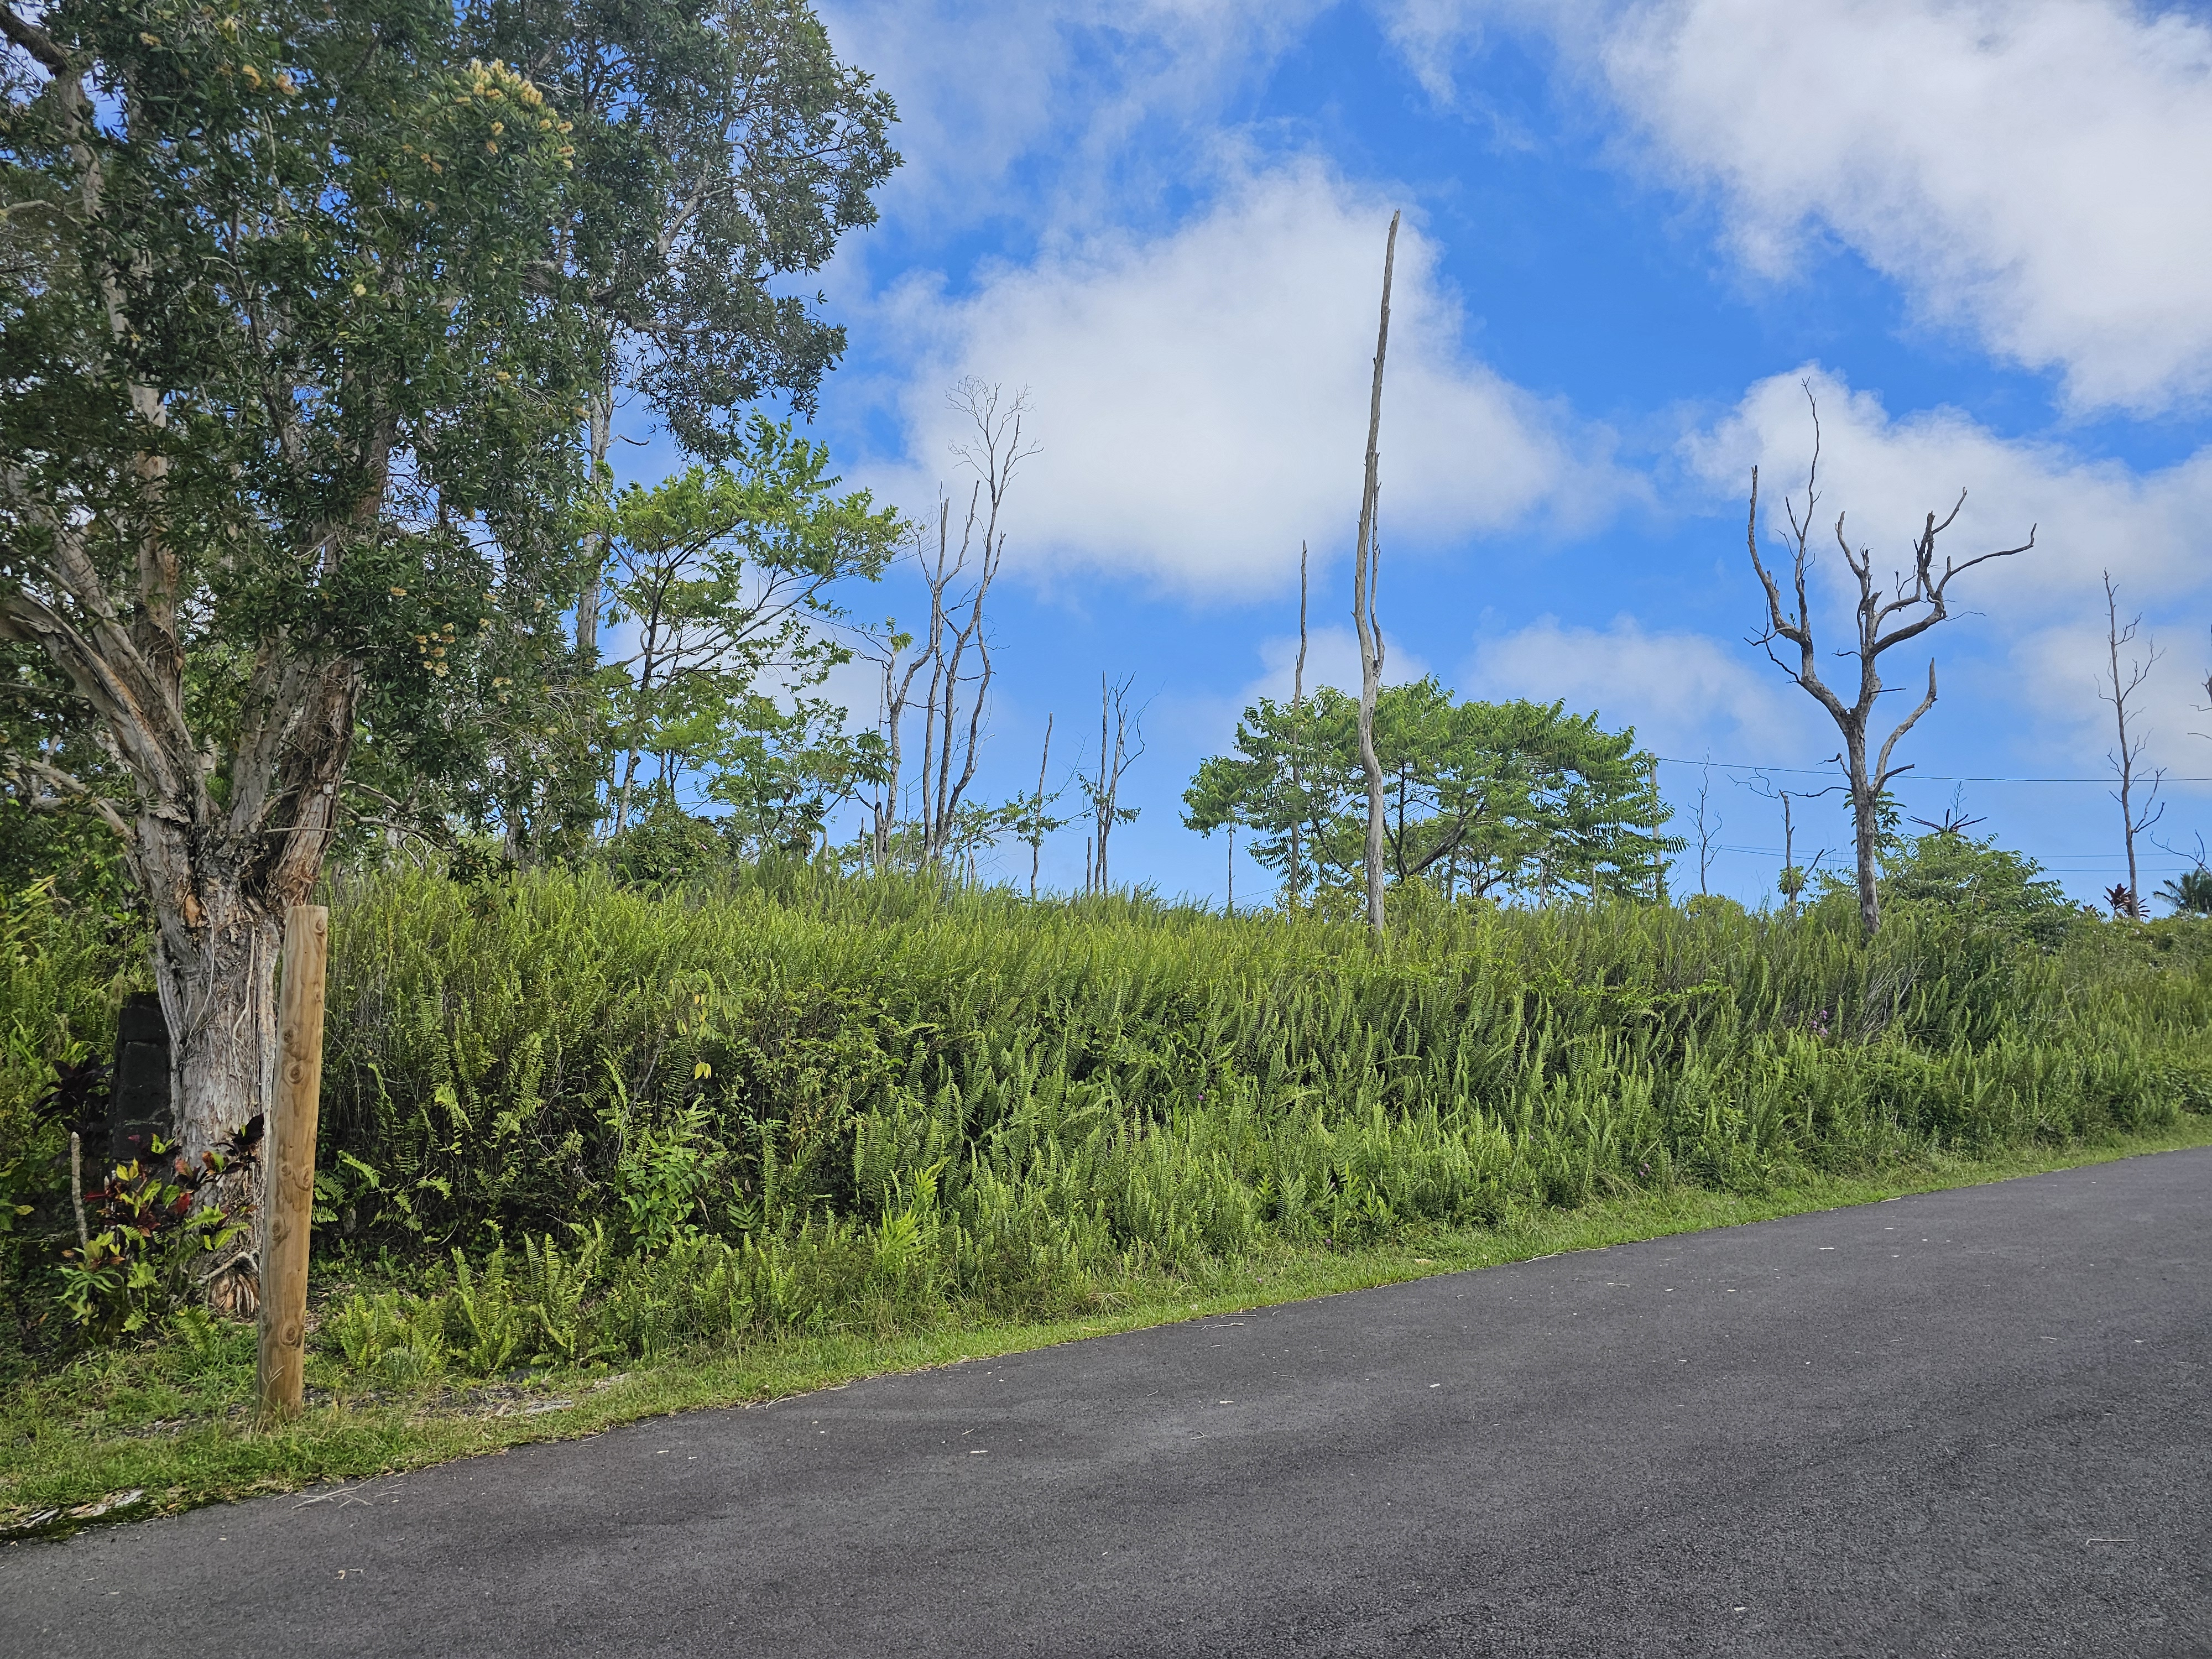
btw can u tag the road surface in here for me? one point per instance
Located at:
(1973, 1423)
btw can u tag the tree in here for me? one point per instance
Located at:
(720, 144)
(283, 442)
(727, 574)
(1366, 577)
(1950, 871)
(1915, 603)
(2120, 689)
(1119, 727)
(782, 772)
(2189, 893)
(1032, 822)
(1282, 786)
(957, 690)
(1791, 883)
(1709, 826)
(1480, 798)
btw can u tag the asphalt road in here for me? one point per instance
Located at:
(1972, 1423)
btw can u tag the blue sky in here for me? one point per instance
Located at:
(1632, 228)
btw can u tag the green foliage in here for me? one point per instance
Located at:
(2189, 893)
(342, 167)
(772, 1098)
(1086, 1088)
(62, 970)
(1955, 873)
(728, 576)
(152, 1243)
(717, 147)
(1481, 799)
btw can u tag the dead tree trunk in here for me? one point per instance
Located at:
(2119, 690)
(1709, 828)
(1036, 820)
(1366, 577)
(1915, 603)
(1293, 876)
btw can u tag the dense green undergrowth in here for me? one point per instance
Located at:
(568, 1123)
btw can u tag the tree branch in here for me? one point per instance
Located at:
(30, 38)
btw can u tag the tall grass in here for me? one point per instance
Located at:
(627, 1120)
(1139, 1081)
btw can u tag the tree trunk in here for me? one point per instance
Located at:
(216, 984)
(600, 416)
(1866, 829)
(215, 961)
(1366, 577)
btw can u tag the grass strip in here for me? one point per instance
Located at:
(165, 1427)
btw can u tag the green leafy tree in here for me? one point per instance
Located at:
(1279, 785)
(2189, 893)
(1480, 798)
(285, 405)
(719, 146)
(783, 771)
(722, 577)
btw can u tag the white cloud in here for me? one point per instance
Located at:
(1686, 694)
(1202, 395)
(1886, 472)
(2031, 168)
(1331, 659)
(984, 87)
(2062, 672)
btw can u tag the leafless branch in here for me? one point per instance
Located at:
(1912, 603)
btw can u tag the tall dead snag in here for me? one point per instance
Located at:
(956, 651)
(2120, 689)
(1292, 884)
(1709, 827)
(1915, 603)
(1366, 574)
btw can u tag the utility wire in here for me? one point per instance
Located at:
(1924, 777)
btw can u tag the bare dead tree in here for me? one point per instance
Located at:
(2205, 707)
(1293, 876)
(955, 650)
(1119, 727)
(941, 733)
(1793, 878)
(2120, 689)
(1366, 578)
(1914, 603)
(1036, 815)
(1792, 881)
(1658, 857)
(1709, 826)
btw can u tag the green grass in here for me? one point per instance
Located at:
(170, 1417)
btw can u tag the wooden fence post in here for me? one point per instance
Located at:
(288, 1185)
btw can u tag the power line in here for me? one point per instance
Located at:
(2050, 860)
(1924, 777)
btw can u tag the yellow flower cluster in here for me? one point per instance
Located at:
(431, 648)
(495, 82)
